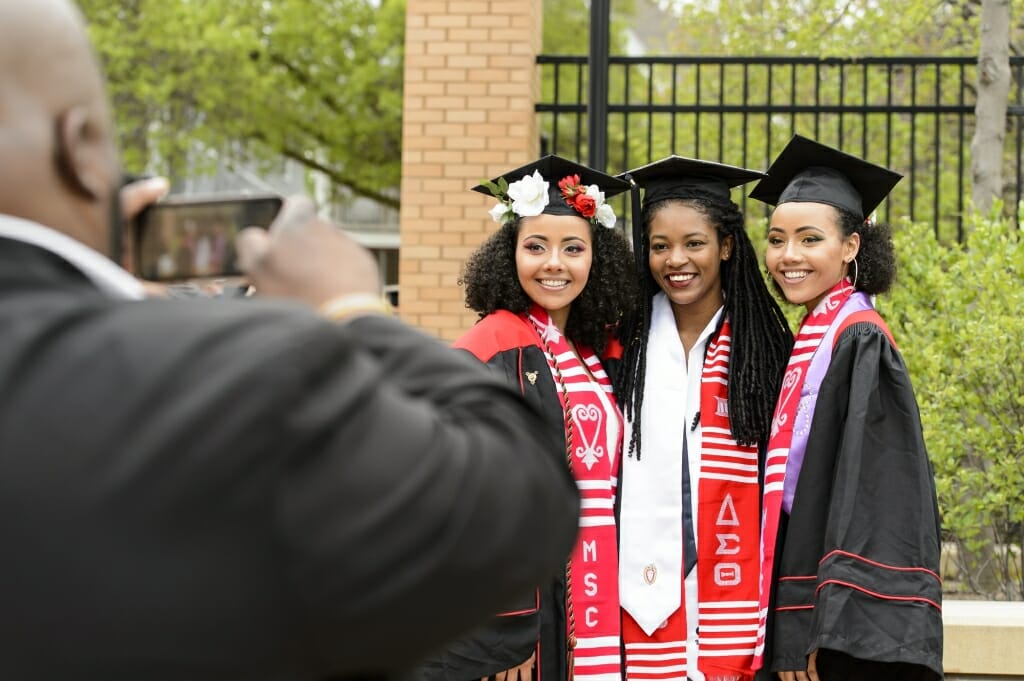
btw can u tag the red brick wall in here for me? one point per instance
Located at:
(470, 87)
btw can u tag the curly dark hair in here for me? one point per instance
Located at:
(761, 338)
(875, 266)
(492, 284)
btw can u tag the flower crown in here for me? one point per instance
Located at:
(529, 196)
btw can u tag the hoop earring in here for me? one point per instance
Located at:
(856, 272)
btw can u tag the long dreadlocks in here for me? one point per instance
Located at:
(761, 338)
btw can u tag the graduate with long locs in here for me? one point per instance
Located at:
(551, 286)
(851, 534)
(702, 365)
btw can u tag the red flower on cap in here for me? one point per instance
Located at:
(576, 196)
(585, 205)
(570, 186)
(587, 201)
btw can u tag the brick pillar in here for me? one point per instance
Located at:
(470, 87)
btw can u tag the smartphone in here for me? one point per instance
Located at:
(186, 237)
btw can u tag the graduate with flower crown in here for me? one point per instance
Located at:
(550, 286)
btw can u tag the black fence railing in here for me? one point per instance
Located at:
(912, 114)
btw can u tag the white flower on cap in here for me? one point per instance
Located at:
(534, 188)
(529, 195)
(501, 212)
(606, 215)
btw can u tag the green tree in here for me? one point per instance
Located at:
(955, 313)
(567, 26)
(833, 27)
(316, 81)
(834, 35)
(567, 32)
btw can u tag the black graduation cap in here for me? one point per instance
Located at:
(553, 169)
(678, 177)
(808, 171)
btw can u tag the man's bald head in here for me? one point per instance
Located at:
(42, 42)
(58, 161)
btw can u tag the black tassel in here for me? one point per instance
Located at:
(636, 219)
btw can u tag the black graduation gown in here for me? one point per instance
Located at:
(508, 346)
(239, 489)
(858, 569)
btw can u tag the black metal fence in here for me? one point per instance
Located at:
(912, 114)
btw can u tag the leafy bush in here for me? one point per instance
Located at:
(957, 313)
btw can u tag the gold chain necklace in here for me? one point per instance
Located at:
(569, 613)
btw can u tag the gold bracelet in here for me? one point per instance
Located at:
(351, 305)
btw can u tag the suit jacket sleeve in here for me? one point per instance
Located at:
(877, 594)
(503, 344)
(244, 486)
(421, 496)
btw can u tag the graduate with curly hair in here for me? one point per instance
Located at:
(851, 533)
(702, 364)
(551, 286)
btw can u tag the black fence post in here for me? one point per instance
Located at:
(597, 95)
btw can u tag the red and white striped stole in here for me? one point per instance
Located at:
(727, 531)
(812, 330)
(593, 429)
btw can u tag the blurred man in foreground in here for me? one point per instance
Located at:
(230, 489)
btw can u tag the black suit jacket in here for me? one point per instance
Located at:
(237, 489)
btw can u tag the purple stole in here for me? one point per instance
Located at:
(857, 302)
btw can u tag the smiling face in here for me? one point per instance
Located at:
(686, 256)
(553, 258)
(807, 253)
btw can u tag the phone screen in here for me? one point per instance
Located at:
(187, 238)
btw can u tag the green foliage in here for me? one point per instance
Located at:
(317, 81)
(567, 32)
(849, 28)
(956, 315)
(922, 144)
(499, 189)
(567, 26)
(752, 122)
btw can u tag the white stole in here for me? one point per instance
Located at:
(651, 528)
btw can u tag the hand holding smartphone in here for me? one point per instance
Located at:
(188, 237)
(305, 257)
